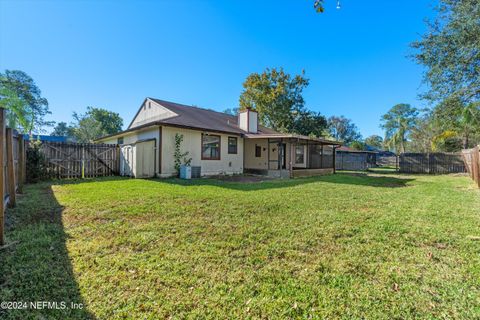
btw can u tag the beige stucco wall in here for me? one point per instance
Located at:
(252, 162)
(192, 141)
(135, 136)
(151, 111)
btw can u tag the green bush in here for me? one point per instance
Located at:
(37, 169)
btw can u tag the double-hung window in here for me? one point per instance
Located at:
(210, 147)
(232, 145)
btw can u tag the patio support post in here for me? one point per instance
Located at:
(279, 158)
(290, 163)
(321, 158)
(334, 160)
(268, 154)
(307, 158)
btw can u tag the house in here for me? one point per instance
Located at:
(351, 159)
(218, 143)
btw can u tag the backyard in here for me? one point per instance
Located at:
(376, 245)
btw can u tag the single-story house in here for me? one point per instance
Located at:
(217, 143)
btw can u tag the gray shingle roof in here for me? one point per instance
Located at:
(194, 117)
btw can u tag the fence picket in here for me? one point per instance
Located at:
(74, 160)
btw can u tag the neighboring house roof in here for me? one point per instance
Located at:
(348, 149)
(41, 137)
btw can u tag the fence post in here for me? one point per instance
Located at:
(21, 162)
(476, 165)
(11, 169)
(2, 175)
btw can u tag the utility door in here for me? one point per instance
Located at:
(127, 161)
(145, 159)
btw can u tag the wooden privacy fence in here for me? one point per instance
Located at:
(433, 163)
(81, 160)
(12, 170)
(471, 158)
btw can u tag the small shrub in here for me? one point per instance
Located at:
(37, 169)
(178, 155)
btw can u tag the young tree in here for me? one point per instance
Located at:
(397, 123)
(450, 52)
(310, 123)
(95, 123)
(231, 111)
(62, 129)
(343, 129)
(15, 108)
(358, 145)
(454, 116)
(423, 133)
(374, 141)
(276, 96)
(86, 129)
(29, 115)
(110, 121)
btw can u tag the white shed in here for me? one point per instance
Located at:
(138, 159)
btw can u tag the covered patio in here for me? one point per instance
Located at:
(289, 155)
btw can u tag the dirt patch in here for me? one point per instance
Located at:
(243, 178)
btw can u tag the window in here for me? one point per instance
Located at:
(210, 147)
(258, 151)
(299, 154)
(120, 140)
(232, 145)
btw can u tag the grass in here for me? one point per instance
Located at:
(375, 246)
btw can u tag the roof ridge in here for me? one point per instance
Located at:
(192, 106)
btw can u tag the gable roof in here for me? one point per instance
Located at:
(196, 118)
(202, 119)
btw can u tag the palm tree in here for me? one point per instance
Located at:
(469, 121)
(397, 139)
(397, 123)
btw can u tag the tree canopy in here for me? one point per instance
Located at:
(374, 141)
(450, 52)
(276, 96)
(397, 123)
(62, 129)
(95, 123)
(21, 97)
(343, 129)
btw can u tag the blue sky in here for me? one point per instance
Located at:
(113, 54)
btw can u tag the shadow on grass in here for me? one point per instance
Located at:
(351, 178)
(36, 266)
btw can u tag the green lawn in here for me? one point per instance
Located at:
(376, 246)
